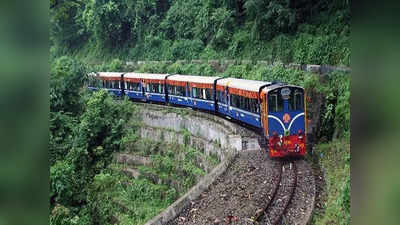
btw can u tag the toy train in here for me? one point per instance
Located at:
(276, 109)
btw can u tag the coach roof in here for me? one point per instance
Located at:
(150, 76)
(109, 74)
(193, 79)
(249, 85)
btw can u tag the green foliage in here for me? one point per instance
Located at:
(180, 18)
(300, 31)
(67, 76)
(91, 138)
(60, 141)
(116, 65)
(100, 198)
(60, 216)
(186, 49)
(336, 111)
(237, 71)
(62, 184)
(109, 22)
(186, 137)
(85, 129)
(66, 25)
(334, 157)
(276, 16)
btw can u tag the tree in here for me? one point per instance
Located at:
(66, 25)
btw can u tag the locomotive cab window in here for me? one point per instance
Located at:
(275, 101)
(296, 101)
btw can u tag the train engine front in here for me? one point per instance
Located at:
(284, 120)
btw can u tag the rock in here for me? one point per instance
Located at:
(217, 221)
(313, 68)
(259, 212)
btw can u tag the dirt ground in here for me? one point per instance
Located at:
(236, 196)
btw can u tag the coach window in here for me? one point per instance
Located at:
(179, 90)
(133, 86)
(221, 97)
(116, 84)
(208, 94)
(242, 103)
(171, 89)
(254, 107)
(158, 88)
(147, 87)
(275, 102)
(235, 100)
(196, 92)
(154, 88)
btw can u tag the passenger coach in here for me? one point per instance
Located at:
(192, 91)
(239, 99)
(107, 80)
(145, 87)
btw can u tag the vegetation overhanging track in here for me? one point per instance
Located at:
(282, 195)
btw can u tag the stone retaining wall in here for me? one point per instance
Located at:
(207, 131)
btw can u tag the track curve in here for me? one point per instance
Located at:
(274, 212)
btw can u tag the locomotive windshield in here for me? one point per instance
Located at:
(294, 97)
(275, 101)
(296, 100)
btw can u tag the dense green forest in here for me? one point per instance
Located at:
(303, 31)
(99, 35)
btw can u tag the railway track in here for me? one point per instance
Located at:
(283, 194)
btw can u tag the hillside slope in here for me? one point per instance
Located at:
(306, 31)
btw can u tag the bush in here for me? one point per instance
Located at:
(186, 49)
(282, 49)
(67, 76)
(60, 215)
(116, 65)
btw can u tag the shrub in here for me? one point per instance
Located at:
(116, 65)
(186, 49)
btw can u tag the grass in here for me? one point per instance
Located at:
(334, 159)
